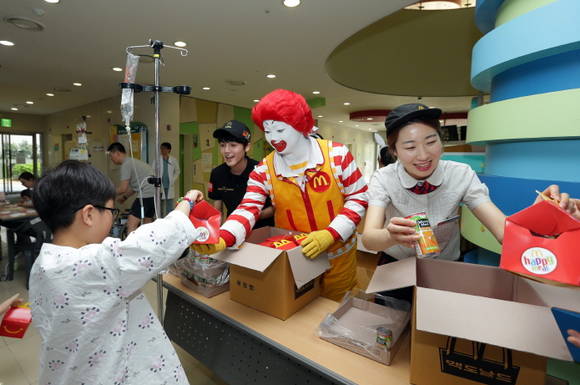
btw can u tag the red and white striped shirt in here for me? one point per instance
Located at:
(346, 173)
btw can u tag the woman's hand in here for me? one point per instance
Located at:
(194, 195)
(572, 206)
(402, 231)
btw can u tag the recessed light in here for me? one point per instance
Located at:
(340, 121)
(77, 84)
(29, 102)
(346, 103)
(6, 43)
(369, 118)
(14, 108)
(52, 1)
(180, 44)
(49, 94)
(117, 69)
(109, 111)
(291, 3)
(271, 76)
(205, 88)
(88, 116)
(316, 92)
(320, 116)
(356, 125)
(256, 100)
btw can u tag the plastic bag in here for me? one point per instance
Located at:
(203, 270)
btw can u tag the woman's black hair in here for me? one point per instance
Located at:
(64, 190)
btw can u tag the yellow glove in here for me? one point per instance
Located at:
(316, 242)
(210, 249)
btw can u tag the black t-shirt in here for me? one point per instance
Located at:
(230, 188)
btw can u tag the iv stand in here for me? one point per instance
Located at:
(157, 89)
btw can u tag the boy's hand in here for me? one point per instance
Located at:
(210, 249)
(10, 302)
(316, 242)
(194, 195)
(402, 231)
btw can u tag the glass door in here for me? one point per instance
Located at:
(20, 153)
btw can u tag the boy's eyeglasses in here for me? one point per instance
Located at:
(113, 211)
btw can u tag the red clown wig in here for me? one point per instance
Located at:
(284, 106)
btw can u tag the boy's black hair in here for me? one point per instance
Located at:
(26, 193)
(167, 145)
(26, 176)
(67, 188)
(116, 147)
(230, 138)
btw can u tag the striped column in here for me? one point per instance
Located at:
(529, 62)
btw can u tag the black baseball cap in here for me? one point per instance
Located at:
(407, 112)
(233, 129)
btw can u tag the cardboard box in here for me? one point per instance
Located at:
(507, 316)
(15, 322)
(354, 324)
(276, 282)
(206, 291)
(525, 251)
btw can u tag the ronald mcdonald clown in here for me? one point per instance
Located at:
(315, 187)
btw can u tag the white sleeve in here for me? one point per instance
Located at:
(378, 195)
(147, 251)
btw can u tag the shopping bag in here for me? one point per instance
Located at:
(207, 219)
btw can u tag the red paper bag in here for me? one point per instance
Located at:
(543, 243)
(281, 242)
(206, 218)
(15, 322)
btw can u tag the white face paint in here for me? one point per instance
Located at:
(282, 136)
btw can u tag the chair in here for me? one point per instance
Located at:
(31, 236)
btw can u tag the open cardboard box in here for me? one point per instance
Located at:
(478, 323)
(555, 258)
(276, 282)
(354, 324)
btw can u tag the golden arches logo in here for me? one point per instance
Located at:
(320, 182)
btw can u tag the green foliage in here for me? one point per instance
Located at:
(18, 169)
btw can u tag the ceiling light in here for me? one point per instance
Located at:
(88, 116)
(49, 94)
(356, 125)
(180, 44)
(256, 100)
(438, 5)
(271, 76)
(6, 43)
(29, 102)
(52, 1)
(77, 84)
(25, 23)
(14, 108)
(109, 111)
(340, 121)
(117, 69)
(316, 92)
(320, 116)
(205, 88)
(291, 3)
(369, 118)
(346, 103)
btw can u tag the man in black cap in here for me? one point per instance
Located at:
(229, 180)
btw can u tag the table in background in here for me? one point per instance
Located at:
(243, 346)
(11, 217)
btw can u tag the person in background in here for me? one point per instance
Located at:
(228, 181)
(169, 171)
(95, 324)
(133, 177)
(385, 157)
(15, 300)
(27, 179)
(315, 187)
(25, 198)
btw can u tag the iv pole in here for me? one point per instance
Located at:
(156, 179)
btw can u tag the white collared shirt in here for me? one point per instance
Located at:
(315, 158)
(458, 183)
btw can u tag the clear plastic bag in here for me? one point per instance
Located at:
(203, 270)
(365, 327)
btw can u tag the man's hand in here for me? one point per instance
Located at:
(317, 242)
(210, 249)
(574, 337)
